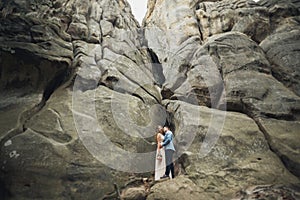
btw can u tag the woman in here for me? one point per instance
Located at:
(160, 162)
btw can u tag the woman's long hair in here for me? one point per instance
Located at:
(159, 128)
(156, 135)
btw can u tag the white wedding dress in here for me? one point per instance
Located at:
(160, 165)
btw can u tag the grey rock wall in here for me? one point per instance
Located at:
(223, 74)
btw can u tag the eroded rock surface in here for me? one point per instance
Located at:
(51, 50)
(242, 53)
(224, 75)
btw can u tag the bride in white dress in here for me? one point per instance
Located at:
(160, 162)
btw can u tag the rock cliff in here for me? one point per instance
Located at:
(83, 87)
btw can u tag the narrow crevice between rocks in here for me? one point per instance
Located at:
(251, 66)
(242, 108)
(138, 96)
(171, 123)
(285, 117)
(283, 159)
(166, 93)
(201, 34)
(55, 83)
(141, 86)
(195, 8)
(157, 69)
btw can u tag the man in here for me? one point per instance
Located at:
(169, 149)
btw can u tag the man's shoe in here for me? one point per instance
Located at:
(164, 176)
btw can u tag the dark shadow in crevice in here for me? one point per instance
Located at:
(57, 81)
(157, 69)
(4, 193)
(167, 93)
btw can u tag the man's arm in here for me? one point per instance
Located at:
(167, 140)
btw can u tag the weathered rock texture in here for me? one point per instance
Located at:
(226, 72)
(45, 45)
(247, 55)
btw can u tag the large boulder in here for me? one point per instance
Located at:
(224, 152)
(249, 84)
(51, 52)
(282, 50)
(179, 188)
(49, 160)
(283, 137)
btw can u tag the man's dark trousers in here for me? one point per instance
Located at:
(169, 162)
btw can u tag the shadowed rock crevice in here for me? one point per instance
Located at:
(167, 93)
(157, 69)
(286, 152)
(26, 78)
(4, 192)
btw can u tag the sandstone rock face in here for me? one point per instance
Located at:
(179, 189)
(46, 47)
(83, 87)
(242, 53)
(241, 151)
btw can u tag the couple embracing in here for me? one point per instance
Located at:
(164, 154)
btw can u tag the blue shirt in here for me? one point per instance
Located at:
(168, 141)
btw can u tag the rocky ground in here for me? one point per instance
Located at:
(224, 74)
